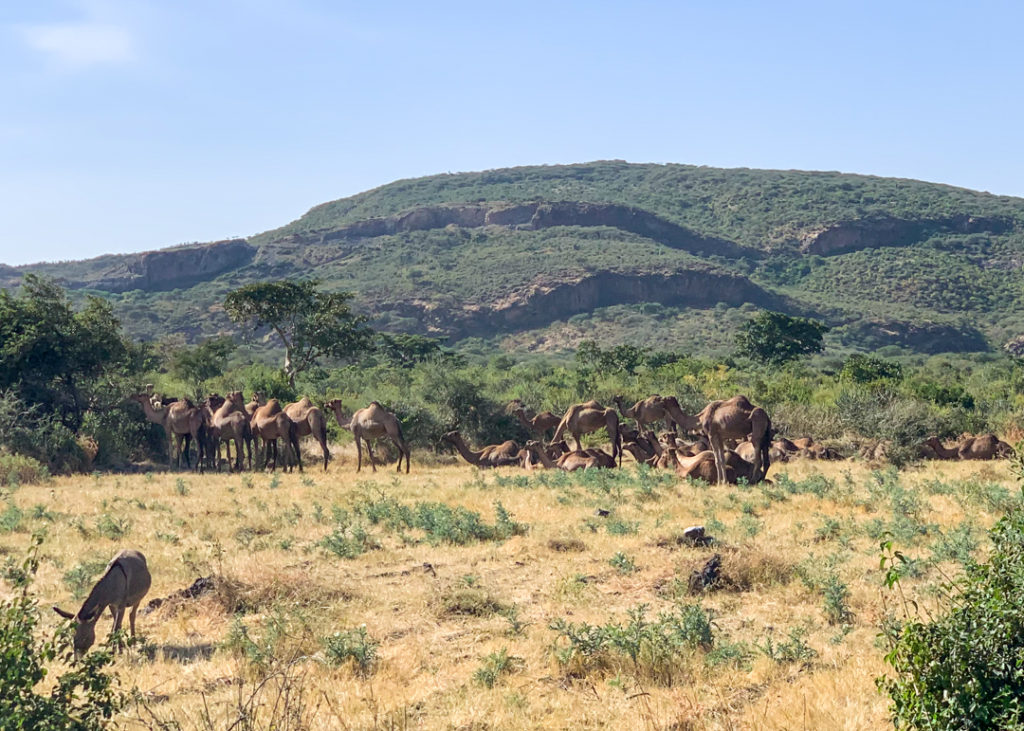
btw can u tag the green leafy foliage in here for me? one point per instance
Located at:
(775, 338)
(84, 696)
(961, 668)
(310, 324)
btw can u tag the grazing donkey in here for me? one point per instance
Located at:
(122, 585)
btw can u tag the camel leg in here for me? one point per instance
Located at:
(131, 618)
(298, 454)
(323, 447)
(359, 455)
(718, 450)
(373, 462)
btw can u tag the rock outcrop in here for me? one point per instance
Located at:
(545, 301)
(848, 236)
(539, 215)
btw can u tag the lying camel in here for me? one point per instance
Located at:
(123, 584)
(370, 424)
(589, 417)
(702, 466)
(309, 420)
(986, 446)
(571, 461)
(737, 418)
(494, 455)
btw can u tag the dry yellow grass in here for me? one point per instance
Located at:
(259, 536)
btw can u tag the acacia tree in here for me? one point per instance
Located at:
(775, 338)
(311, 324)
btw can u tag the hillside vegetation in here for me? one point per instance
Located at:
(511, 255)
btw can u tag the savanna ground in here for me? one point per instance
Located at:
(455, 598)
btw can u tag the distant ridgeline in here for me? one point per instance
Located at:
(665, 256)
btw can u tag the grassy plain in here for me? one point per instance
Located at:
(359, 601)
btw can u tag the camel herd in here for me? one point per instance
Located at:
(220, 421)
(732, 441)
(729, 439)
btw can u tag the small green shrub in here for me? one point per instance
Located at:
(353, 646)
(16, 469)
(494, 666)
(622, 563)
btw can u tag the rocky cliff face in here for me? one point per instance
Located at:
(848, 236)
(534, 216)
(546, 301)
(157, 271)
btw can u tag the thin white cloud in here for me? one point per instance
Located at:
(79, 45)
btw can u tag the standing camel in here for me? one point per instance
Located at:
(230, 424)
(657, 408)
(539, 424)
(589, 417)
(737, 418)
(493, 455)
(370, 424)
(309, 420)
(181, 422)
(274, 424)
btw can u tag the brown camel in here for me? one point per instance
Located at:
(702, 466)
(231, 424)
(274, 424)
(571, 461)
(309, 420)
(589, 417)
(641, 451)
(539, 424)
(986, 446)
(181, 422)
(737, 418)
(370, 424)
(657, 408)
(494, 455)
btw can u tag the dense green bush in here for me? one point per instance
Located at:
(962, 669)
(84, 696)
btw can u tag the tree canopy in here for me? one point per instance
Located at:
(775, 338)
(310, 323)
(52, 356)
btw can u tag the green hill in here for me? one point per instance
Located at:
(660, 255)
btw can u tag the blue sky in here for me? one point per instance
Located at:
(127, 126)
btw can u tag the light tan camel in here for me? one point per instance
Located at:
(986, 446)
(494, 455)
(255, 401)
(231, 424)
(181, 422)
(370, 424)
(538, 424)
(274, 424)
(310, 421)
(589, 417)
(571, 461)
(737, 418)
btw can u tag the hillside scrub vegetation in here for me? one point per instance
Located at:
(502, 253)
(71, 413)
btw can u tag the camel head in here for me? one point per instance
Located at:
(236, 398)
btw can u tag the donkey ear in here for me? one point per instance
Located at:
(61, 612)
(88, 617)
